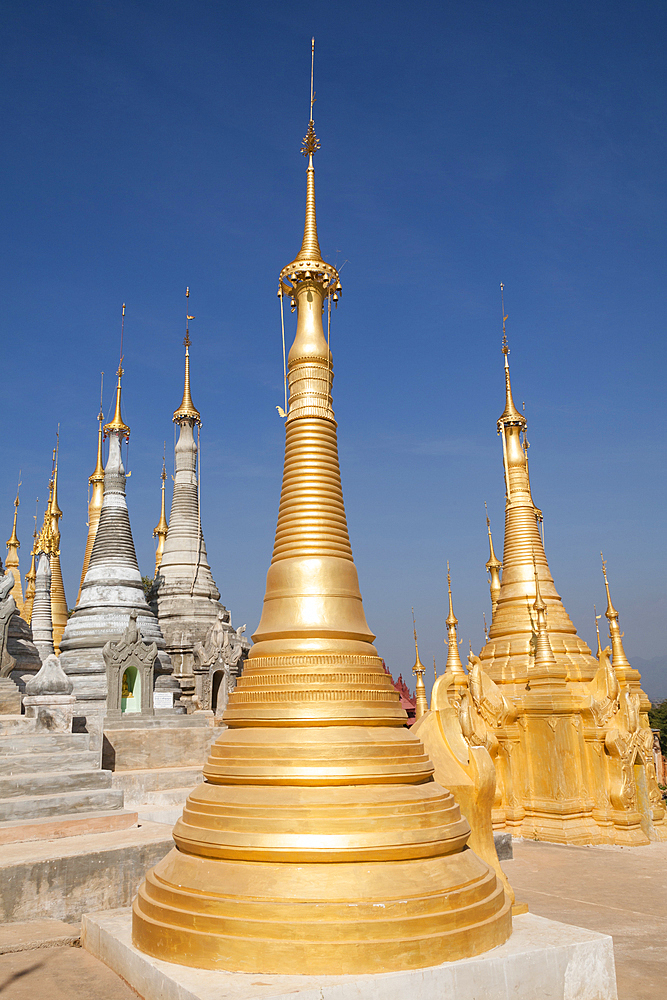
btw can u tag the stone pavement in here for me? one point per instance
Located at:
(620, 891)
(617, 890)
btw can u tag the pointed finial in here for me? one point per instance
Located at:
(493, 566)
(55, 509)
(510, 414)
(435, 670)
(13, 541)
(619, 659)
(98, 474)
(117, 425)
(421, 702)
(539, 604)
(486, 628)
(597, 629)
(546, 668)
(187, 410)
(162, 526)
(453, 664)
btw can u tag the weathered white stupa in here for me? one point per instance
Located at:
(184, 595)
(112, 588)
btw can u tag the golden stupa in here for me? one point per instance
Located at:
(574, 763)
(96, 486)
(319, 842)
(30, 578)
(12, 560)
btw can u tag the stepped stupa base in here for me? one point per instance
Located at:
(542, 958)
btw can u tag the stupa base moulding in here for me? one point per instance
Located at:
(542, 958)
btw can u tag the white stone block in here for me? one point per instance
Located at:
(543, 960)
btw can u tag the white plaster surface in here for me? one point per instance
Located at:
(543, 960)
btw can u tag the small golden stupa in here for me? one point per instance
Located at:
(319, 842)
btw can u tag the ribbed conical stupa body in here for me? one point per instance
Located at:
(184, 595)
(319, 841)
(41, 624)
(111, 589)
(561, 774)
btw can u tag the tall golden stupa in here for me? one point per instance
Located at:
(96, 484)
(319, 842)
(575, 763)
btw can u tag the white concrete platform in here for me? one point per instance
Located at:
(543, 960)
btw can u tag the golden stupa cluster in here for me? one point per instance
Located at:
(326, 837)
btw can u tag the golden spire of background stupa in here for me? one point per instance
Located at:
(597, 630)
(96, 498)
(31, 575)
(421, 701)
(162, 526)
(493, 566)
(187, 409)
(117, 423)
(315, 744)
(453, 665)
(523, 548)
(12, 560)
(510, 414)
(622, 666)
(545, 668)
(59, 610)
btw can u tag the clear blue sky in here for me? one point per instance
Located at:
(149, 146)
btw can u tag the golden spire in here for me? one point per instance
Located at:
(453, 664)
(59, 609)
(117, 425)
(96, 493)
(545, 668)
(619, 659)
(162, 526)
(421, 702)
(597, 629)
(493, 566)
(31, 575)
(56, 512)
(510, 414)
(187, 410)
(12, 560)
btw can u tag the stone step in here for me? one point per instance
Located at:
(68, 826)
(153, 814)
(60, 803)
(64, 878)
(47, 782)
(42, 742)
(24, 763)
(137, 784)
(16, 724)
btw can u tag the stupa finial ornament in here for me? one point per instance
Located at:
(187, 410)
(117, 424)
(619, 658)
(421, 701)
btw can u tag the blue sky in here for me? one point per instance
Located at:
(150, 146)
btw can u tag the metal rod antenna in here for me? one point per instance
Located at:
(312, 71)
